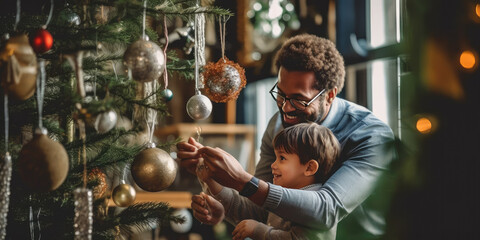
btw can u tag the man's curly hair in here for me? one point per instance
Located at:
(308, 52)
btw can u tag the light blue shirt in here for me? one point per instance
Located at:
(365, 157)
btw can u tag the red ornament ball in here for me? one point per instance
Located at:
(42, 41)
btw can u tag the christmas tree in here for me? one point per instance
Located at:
(61, 72)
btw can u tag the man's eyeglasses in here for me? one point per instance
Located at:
(280, 98)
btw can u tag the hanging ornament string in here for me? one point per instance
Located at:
(151, 123)
(199, 46)
(41, 92)
(221, 28)
(165, 73)
(95, 73)
(151, 114)
(201, 171)
(17, 16)
(49, 15)
(144, 18)
(32, 224)
(114, 70)
(196, 58)
(84, 152)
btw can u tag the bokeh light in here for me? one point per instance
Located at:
(467, 59)
(477, 9)
(424, 125)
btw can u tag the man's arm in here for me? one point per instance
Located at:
(322, 209)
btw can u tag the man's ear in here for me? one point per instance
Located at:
(332, 94)
(312, 168)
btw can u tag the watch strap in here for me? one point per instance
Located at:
(250, 187)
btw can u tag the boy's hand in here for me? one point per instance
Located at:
(212, 214)
(244, 229)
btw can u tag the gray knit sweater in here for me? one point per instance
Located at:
(271, 226)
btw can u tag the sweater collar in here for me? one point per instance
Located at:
(312, 186)
(333, 117)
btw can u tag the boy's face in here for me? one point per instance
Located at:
(287, 170)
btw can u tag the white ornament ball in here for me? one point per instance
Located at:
(145, 60)
(185, 226)
(199, 107)
(105, 121)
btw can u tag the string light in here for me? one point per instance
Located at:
(467, 59)
(424, 125)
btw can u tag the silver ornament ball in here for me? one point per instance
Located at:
(225, 82)
(105, 121)
(186, 225)
(67, 17)
(145, 60)
(199, 107)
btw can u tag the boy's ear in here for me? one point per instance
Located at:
(312, 168)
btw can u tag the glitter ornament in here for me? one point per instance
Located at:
(167, 94)
(153, 169)
(123, 195)
(144, 60)
(42, 41)
(5, 177)
(43, 163)
(18, 67)
(83, 220)
(97, 175)
(105, 121)
(199, 107)
(223, 80)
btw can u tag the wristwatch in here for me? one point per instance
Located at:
(250, 187)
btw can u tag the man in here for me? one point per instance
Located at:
(311, 73)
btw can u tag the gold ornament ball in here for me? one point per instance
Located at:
(18, 68)
(153, 169)
(43, 164)
(123, 195)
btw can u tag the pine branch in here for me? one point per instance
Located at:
(141, 216)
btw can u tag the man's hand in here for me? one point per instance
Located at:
(207, 209)
(244, 229)
(224, 168)
(188, 154)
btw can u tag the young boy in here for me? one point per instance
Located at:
(305, 154)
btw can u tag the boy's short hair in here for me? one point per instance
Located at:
(310, 141)
(307, 52)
